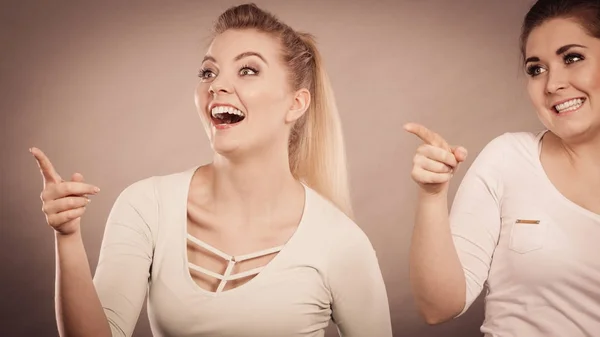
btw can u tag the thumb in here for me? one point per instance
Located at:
(77, 177)
(460, 153)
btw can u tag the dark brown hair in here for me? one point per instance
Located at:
(585, 12)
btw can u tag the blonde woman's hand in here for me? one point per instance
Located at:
(435, 162)
(63, 202)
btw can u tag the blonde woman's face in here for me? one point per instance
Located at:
(244, 97)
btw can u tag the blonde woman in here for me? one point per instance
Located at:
(259, 242)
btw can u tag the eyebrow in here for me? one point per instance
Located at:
(237, 58)
(559, 51)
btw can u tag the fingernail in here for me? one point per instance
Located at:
(96, 189)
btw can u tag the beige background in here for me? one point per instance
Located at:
(106, 89)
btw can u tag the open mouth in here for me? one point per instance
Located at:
(570, 105)
(226, 115)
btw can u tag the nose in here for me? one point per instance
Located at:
(556, 80)
(220, 85)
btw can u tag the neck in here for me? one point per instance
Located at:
(584, 151)
(255, 186)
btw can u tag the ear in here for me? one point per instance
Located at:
(299, 106)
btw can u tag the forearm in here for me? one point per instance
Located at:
(436, 273)
(78, 308)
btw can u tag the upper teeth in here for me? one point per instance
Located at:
(225, 109)
(572, 104)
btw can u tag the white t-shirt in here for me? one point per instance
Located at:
(328, 269)
(538, 251)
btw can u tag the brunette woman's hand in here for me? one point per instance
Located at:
(435, 161)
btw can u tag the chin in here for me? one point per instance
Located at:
(575, 132)
(225, 149)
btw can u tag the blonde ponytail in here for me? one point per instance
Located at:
(317, 150)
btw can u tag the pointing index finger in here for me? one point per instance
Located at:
(46, 167)
(427, 135)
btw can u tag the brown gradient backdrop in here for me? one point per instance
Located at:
(106, 89)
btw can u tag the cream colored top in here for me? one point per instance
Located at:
(538, 252)
(327, 269)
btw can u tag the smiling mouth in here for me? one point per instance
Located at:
(226, 115)
(570, 105)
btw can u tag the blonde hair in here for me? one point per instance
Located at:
(317, 152)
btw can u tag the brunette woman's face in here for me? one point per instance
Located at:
(563, 66)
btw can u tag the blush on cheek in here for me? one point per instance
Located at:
(536, 93)
(591, 81)
(253, 99)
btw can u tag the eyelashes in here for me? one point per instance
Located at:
(248, 70)
(536, 69)
(205, 73)
(533, 70)
(572, 58)
(208, 73)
